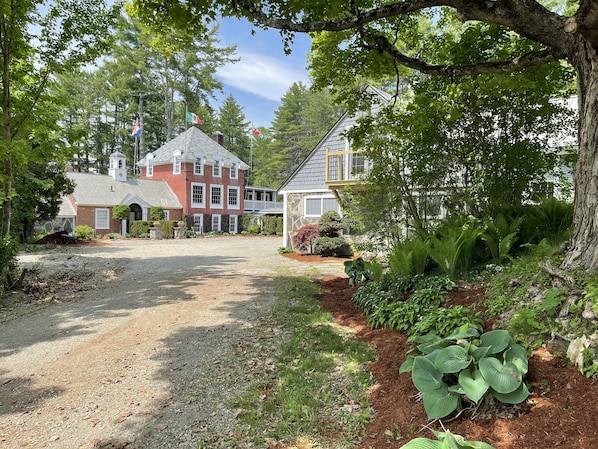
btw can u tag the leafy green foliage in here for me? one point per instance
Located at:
(331, 246)
(500, 236)
(139, 228)
(84, 232)
(467, 367)
(453, 248)
(121, 212)
(445, 440)
(358, 271)
(157, 213)
(8, 261)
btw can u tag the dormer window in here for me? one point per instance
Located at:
(234, 173)
(216, 169)
(176, 165)
(149, 168)
(198, 167)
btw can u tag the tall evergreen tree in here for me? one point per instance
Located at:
(234, 127)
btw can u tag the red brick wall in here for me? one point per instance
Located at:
(86, 215)
(181, 186)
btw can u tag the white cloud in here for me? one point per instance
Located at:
(262, 75)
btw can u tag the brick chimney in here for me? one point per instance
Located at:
(218, 138)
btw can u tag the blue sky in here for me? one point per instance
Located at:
(264, 73)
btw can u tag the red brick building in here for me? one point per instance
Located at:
(207, 179)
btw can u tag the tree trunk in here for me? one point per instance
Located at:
(583, 249)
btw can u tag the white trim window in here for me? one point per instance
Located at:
(149, 169)
(102, 218)
(198, 167)
(176, 166)
(216, 223)
(315, 206)
(233, 221)
(216, 194)
(216, 170)
(234, 197)
(166, 215)
(198, 223)
(234, 172)
(198, 194)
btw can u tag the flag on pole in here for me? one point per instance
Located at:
(257, 134)
(193, 119)
(136, 129)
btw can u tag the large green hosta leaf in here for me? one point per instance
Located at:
(452, 440)
(515, 397)
(517, 355)
(425, 376)
(440, 402)
(502, 378)
(422, 443)
(452, 359)
(497, 340)
(473, 383)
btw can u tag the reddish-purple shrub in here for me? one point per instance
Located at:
(304, 239)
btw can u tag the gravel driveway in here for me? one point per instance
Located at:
(145, 347)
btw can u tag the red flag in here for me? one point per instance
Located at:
(257, 134)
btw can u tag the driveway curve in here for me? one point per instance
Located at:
(145, 347)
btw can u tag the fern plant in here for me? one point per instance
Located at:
(500, 236)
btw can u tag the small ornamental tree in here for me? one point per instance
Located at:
(157, 213)
(304, 239)
(329, 241)
(123, 213)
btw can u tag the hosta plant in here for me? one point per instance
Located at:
(446, 440)
(466, 367)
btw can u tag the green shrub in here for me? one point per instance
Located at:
(139, 228)
(279, 225)
(9, 249)
(330, 224)
(467, 367)
(121, 212)
(246, 222)
(331, 247)
(253, 229)
(168, 228)
(84, 232)
(157, 213)
(358, 270)
(269, 226)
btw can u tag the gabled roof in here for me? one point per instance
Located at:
(102, 190)
(193, 144)
(310, 175)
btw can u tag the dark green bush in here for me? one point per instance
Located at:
(269, 225)
(331, 247)
(245, 222)
(139, 228)
(157, 213)
(168, 228)
(279, 225)
(330, 224)
(9, 249)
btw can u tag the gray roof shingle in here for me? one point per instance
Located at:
(103, 190)
(193, 144)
